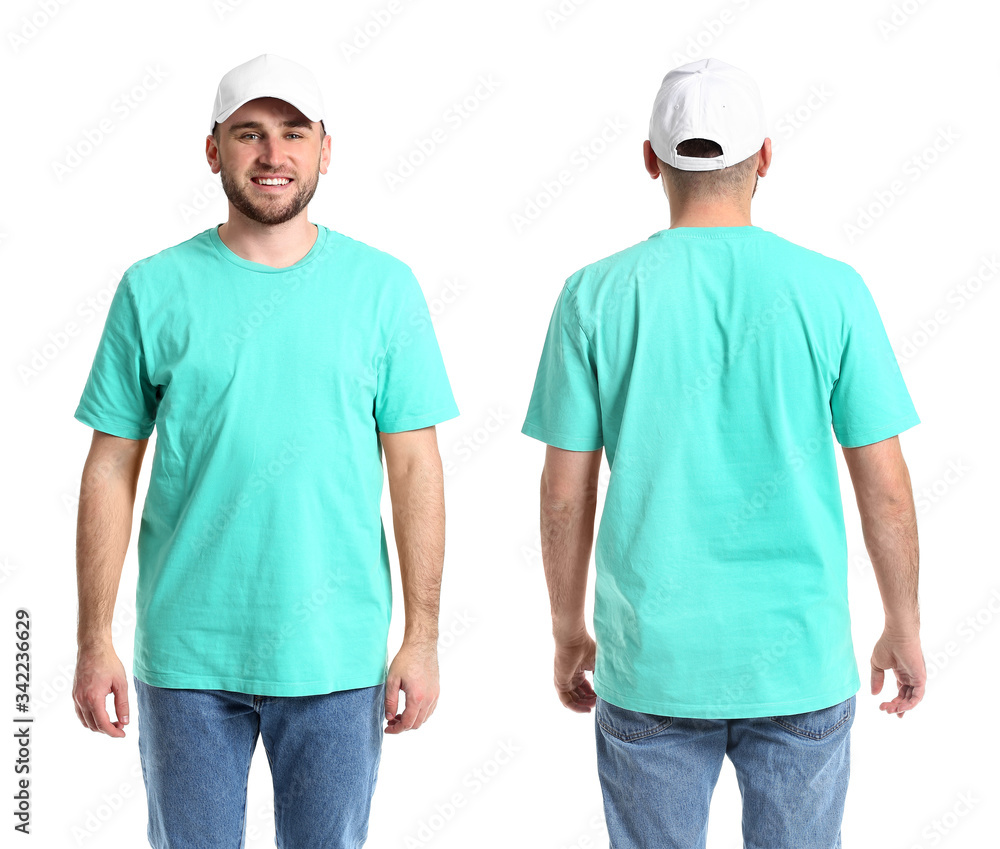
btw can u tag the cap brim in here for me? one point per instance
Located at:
(227, 114)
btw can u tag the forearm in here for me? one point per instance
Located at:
(567, 532)
(419, 525)
(104, 526)
(891, 539)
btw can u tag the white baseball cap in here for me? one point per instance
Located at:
(268, 76)
(707, 99)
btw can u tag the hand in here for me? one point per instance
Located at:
(902, 655)
(414, 670)
(99, 672)
(574, 655)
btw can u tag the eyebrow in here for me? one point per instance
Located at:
(257, 125)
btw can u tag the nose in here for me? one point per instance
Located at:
(269, 151)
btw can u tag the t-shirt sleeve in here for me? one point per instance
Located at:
(565, 405)
(118, 397)
(869, 401)
(413, 390)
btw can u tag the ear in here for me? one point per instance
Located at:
(212, 154)
(765, 157)
(649, 158)
(326, 151)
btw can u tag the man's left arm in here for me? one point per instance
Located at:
(416, 489)
(568, 510)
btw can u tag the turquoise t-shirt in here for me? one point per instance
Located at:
(263, 565)
(710, 363)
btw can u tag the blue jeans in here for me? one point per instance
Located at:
(195, 748)
(658, 772)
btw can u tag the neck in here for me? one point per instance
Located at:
(709, 215)
(277, 245)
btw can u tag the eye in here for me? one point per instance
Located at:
(247, 134)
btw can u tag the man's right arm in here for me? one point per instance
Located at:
(104, 527)
(889, 523)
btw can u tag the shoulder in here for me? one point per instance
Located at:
(603, 276)
(143, 273)
(381, 265)
(833, 271)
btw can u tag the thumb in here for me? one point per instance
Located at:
(878, 678)
(391, 696)
(120, 688)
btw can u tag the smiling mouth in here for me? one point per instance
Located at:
(271, 181)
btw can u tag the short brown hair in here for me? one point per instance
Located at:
(728, 182)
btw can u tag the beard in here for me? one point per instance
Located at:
(269, 209)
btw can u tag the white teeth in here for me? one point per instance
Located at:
(273, 182)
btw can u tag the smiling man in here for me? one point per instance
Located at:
(277, 361)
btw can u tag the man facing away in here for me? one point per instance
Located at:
(277, 360)
(711, 361)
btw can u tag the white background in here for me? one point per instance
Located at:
(886, 92)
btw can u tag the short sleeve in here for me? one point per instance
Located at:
(118, 397)
(869, 401)
(413, 390)
(565, 406)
